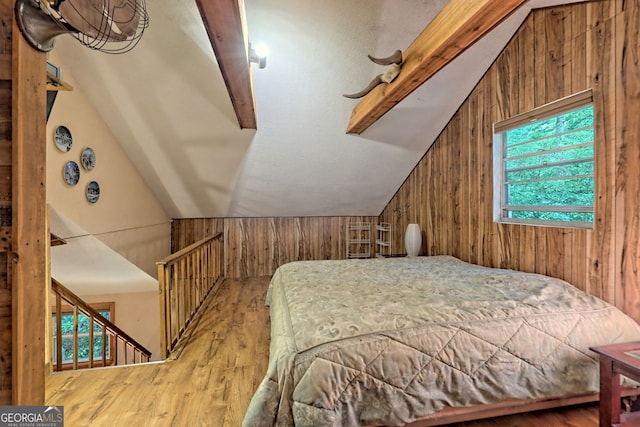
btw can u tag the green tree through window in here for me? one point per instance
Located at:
(83, 336)
(546, 168)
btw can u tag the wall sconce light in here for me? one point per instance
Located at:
(413, 240)
(258, 55)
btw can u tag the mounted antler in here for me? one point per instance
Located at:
(395, 60)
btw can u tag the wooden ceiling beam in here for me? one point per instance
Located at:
(458, 26)
(225, 23)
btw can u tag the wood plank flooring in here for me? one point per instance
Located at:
(212, 378)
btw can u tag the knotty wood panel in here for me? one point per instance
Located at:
(258, 246)
(627, 157)
(556, 52)
(189, 231)
(6, 323)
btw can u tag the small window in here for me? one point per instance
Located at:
(544, 165)
(107, 311)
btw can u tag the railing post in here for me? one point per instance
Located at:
(185, 279)
(162, 284)
(104, 346)
(91, 320)
(58, 332)
(75, 337)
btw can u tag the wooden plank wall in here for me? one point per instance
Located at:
(626, 163)
(257, 246)
(557, 52)
(5, 202)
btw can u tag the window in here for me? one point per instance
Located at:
(544, 165)
(106, 310)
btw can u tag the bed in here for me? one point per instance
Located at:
(391, 341)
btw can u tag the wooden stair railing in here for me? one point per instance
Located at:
(121, 349)
(186, 278)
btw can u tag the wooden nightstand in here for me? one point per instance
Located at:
(616, 360)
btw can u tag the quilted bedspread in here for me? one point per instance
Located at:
(387, 341)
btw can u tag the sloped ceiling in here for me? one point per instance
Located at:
(167, 104)
(87, 266)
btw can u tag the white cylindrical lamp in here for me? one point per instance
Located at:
(413, 240)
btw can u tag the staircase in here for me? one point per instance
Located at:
(77, 327)
(82, 337)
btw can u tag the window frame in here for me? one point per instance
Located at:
(556, 108)
(67, 310)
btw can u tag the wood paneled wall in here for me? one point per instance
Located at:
(556, 52)
(257, 246)
(5, 210)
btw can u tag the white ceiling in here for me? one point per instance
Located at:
(167, 105)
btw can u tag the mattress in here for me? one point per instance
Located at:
(387, 341)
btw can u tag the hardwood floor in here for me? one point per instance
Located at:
(211, 381)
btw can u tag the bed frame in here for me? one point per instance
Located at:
(508, 407)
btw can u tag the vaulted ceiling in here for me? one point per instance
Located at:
(167, 104)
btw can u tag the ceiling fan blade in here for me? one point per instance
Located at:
(89, 17)
(125, 14)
